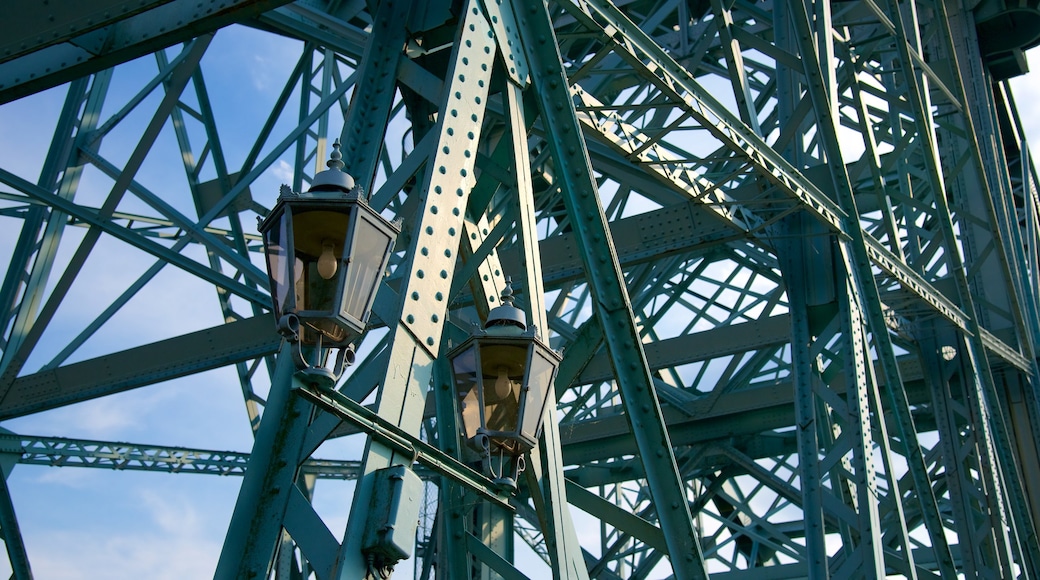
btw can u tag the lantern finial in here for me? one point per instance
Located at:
(336, 158)
(506, 318)
(333, 178)
(507, 292)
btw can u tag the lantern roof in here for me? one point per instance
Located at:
(506, 319)
(333, 179)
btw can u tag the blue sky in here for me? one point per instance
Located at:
(88, 523)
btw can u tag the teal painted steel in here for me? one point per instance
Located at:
(816, 221)
(612, 306)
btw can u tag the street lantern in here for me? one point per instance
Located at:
(503, 377)
(326, 253)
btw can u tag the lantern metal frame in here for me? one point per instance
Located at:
(515, 425)
(326, 251)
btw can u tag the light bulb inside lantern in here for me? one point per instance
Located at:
(503, 386)
(327, 263)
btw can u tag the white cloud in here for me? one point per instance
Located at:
(121, 526)
(74, 554)
(283, 171)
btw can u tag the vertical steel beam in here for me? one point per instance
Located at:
(256, 523)
(865, 286)
(735, 61)
(12, 534)
(990, 419)
(29, 268)
(428, 272)
(796, 276)
(607, 284)
(453, 505)
(370, 107)
(546, 461)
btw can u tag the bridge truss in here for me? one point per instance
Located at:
(788, 249)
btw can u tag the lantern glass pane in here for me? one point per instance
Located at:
(364, 270)
(467, 387)
(318, 243)
(278, 264)
(502, 368)
(539, 382)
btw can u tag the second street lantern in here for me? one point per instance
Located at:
(326, 254)
(503, 378)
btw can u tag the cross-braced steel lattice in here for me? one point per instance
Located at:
(789, 251)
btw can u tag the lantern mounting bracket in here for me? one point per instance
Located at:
(316, 374)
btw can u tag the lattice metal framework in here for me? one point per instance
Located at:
(789, 249)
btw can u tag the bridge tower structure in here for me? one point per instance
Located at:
(789, 252)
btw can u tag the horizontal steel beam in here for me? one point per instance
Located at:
(747, 411)
(699, 346)
(29, 25)
(91, 40)
(120, 456)
(137, 367)
(676, 229)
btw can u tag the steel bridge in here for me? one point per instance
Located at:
(788, 249)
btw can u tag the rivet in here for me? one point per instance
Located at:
(415, 295)
(410, 319)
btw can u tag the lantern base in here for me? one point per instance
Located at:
(507, 484)
(315, 375)
(319, 377)
(503, 468)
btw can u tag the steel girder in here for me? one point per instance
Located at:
(790, 251)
